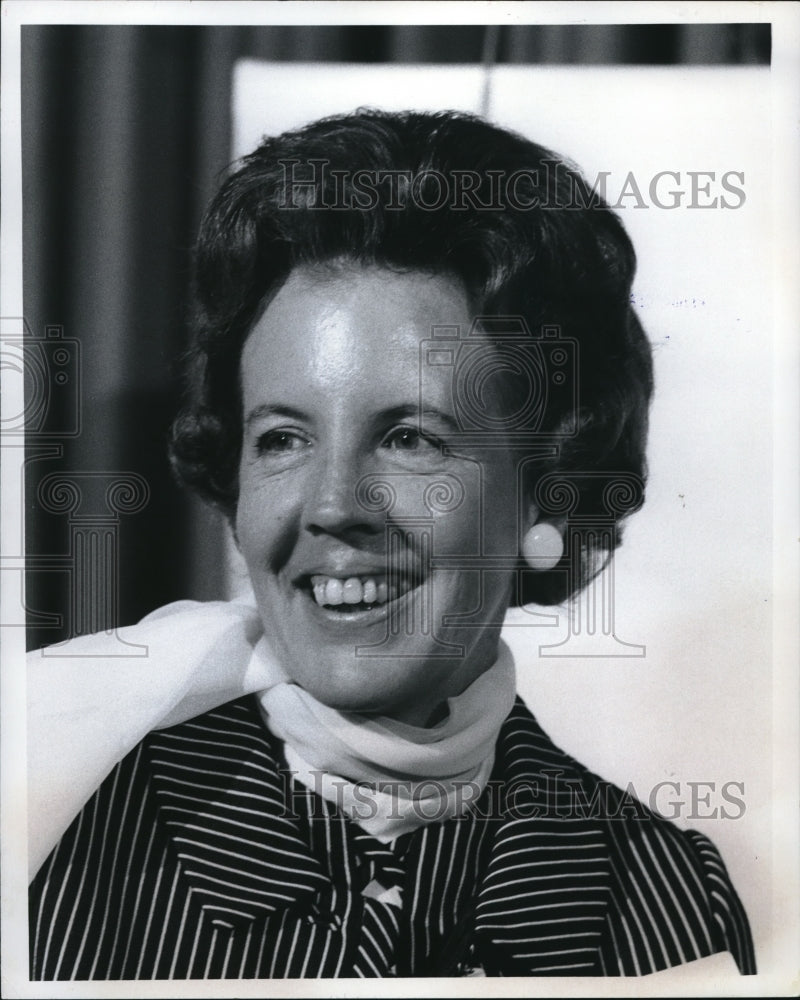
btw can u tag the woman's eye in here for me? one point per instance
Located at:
(280, 443)
(409, 439)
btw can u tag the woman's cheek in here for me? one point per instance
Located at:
(476, 510)
(266, 515)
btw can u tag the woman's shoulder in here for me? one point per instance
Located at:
(670, 898)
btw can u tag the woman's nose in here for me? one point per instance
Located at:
(334, 506)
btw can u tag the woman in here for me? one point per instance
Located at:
(415, 373)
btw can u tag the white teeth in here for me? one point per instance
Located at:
(352, 591)
(334, 591)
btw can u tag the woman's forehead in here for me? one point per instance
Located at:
(352, 328)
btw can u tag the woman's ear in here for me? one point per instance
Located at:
(528, 519)
(234, 535)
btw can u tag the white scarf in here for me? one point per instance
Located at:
(388, 776)
(92, 699)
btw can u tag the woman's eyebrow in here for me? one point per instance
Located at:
(421, 416)
(389, 415)
(269, 410)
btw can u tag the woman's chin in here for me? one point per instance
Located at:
(393, 685)
(371, 660)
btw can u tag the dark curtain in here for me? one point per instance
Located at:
(125, 130)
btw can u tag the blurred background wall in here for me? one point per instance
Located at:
(125, 131)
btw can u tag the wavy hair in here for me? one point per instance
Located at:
(437, 193)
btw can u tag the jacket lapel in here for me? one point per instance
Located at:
(543, 901)
(228, 814)
(240, 849)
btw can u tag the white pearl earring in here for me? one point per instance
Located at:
(542, 546)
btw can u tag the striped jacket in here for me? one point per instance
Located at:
(199, 858)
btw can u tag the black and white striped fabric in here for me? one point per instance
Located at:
(200, 858)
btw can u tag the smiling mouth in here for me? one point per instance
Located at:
(358, 593)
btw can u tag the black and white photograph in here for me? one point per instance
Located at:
(399, 499)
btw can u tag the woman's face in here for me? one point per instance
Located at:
(336, 418)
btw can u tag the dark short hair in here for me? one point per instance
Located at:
(439, 193)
